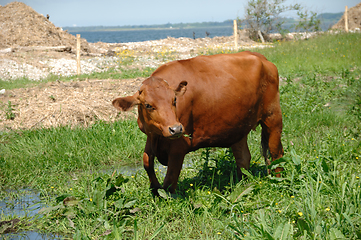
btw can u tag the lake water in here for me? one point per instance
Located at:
(146, 35)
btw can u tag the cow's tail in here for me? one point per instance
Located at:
(264, 144)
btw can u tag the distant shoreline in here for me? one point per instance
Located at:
(81, 29)
(327, 20)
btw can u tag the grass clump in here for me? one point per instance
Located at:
(56, 155)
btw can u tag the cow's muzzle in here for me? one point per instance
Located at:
(176, 131)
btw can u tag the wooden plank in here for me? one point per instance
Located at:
(235, 34)
(346, 19)
(78, 54)
(43, 48)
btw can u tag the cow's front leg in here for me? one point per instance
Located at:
(175, 162)
(148, 163)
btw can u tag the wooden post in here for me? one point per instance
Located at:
(346, 20)
(260, 36)
(78, 54)
(235, 34)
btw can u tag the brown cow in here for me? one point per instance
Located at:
(207, 101)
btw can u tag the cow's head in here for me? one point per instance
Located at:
(157, 103)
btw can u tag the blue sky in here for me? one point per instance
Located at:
(144, 12)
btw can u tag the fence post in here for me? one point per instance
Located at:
(78, 54)
(346, 20)
(235, 34)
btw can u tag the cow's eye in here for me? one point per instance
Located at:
(175, 101)
(148, 106)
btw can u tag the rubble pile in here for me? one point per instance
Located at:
(354, 19)
(20, 25)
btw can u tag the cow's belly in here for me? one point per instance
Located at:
(221, 138)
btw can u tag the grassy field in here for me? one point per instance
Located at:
(78, 171)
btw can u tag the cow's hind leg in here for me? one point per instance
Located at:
(271, 139)
(242, 155)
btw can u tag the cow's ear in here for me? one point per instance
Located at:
(182, 88)
(126, 103)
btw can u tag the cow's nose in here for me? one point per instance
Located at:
(176, 130)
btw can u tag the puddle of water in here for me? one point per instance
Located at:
(27, 203)
(30, 235)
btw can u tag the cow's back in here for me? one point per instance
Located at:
(225, 95)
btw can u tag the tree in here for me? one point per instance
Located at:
(308, 21)
(263, 17)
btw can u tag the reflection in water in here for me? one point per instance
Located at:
(27, 203)
(30, 235)
(24, 203)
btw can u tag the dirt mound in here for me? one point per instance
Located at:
(354, 19)
(20, 25)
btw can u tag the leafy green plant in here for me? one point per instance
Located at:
(102, 200)
(308, 21)
(9, 111)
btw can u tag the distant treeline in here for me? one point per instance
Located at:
(327, 20)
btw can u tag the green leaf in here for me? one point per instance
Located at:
(46, 210)
(325, 166)
(130, 204)
(135, 230)
(119, 203)
(112, 189)
(278, 161)
(318, 229)
(347, 217)
(303, 225)
(336, 234)
(120, 180)
(162, 193)
(245, 172)
(295, 158)
(283, 231)
(62, 197)
(236, 194)
(156, 232)
(70, 201)
(278, 179)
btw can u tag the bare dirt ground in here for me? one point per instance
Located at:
(62, 103)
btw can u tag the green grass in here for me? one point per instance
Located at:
(325, 54)
(124, 73)
(317, 197)
(56, 155)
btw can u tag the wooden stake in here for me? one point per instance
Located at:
(78, 54)
(260, 36)
(346, 20)
(235, 34)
